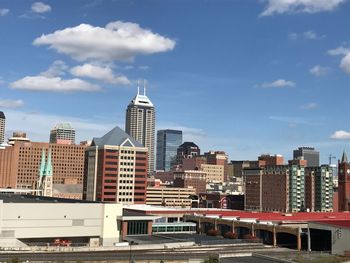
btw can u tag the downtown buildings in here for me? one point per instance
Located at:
(116, 169)
(2, 127)
(140, 123)
(168, 141)
(62, 133)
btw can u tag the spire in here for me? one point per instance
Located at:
(144, 87)
(344, 158)
(138, 87)
(48, 167)
(42, 164)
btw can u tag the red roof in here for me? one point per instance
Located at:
(262, 216)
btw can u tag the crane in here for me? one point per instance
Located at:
(330, 157)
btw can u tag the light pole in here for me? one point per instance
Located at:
(130, 256)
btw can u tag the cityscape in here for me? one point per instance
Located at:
(142, 131)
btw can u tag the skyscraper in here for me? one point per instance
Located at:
(187, 150)
(167, 143)
(140, 123)
(2, 127)
(309, 154)
(62, 133)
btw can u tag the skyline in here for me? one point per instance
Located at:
(246, 77)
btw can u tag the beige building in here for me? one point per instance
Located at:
(20, 163)
(170, 196)
(215, 173)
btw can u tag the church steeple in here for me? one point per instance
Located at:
(44, 182)
(344, 158)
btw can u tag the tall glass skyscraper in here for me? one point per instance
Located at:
(167, 143)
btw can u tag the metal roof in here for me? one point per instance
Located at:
(116, 137)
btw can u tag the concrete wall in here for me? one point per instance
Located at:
(55, 220)
(340, 237)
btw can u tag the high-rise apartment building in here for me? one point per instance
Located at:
(275, 188)
(20, 163)
(2, 127)
(116, 169)
(187, 150)
(62, 133)
(140, 123)
(309, 154)
(167, 143)
(319, 189)
(344, 184)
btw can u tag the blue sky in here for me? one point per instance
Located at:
(244, 76)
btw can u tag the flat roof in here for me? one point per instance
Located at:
(336, 223)
(27, 198)
(244, 215)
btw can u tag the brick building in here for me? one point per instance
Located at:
(19, 164)
(344, 184)
(191, 178)
(116, 169)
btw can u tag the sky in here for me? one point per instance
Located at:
(248, 77)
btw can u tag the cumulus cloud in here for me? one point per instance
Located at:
(299, 6)
(280, 83)
(11, 103)
(4, 11)
(309, 106)
(345, 61)
(319, 71)
(40, 7)
(55, 84)
(338, 51)
(345, 64)
(57, 68)
(341, 135)
(118, 41)
(100, 73)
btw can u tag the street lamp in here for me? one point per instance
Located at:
(130, 257)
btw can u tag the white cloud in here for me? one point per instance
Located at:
(38, 125)
(345, 64)
(299, 6)
(310, 35)
(307, 35)
(338, 51)
(4, 11)
(55, 84)
(117, 41)
(309, 106)
(319, 71)
(341, 135)
(11, 103)
(280, 83)
(100, 73)
(57, 68)
(40, 7)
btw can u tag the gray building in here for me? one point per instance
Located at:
(309, 154)
(2, 127)
(167, 143)
(140, 123)
(62, 133)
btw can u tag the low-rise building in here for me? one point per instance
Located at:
(170, 196)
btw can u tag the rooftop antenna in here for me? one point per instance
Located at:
(138, 87)
(144, 87)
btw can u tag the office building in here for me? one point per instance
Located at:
(319, 189)
(309, 154)
(115, 169)
(140, 123)
(170, 196)
(187, 150)
(275, 188)
(167, 143)
(2, 127)
(344, 184)
(191, 178)
(62, 133)
(215, 173)
(268, 160)
(20, 163)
